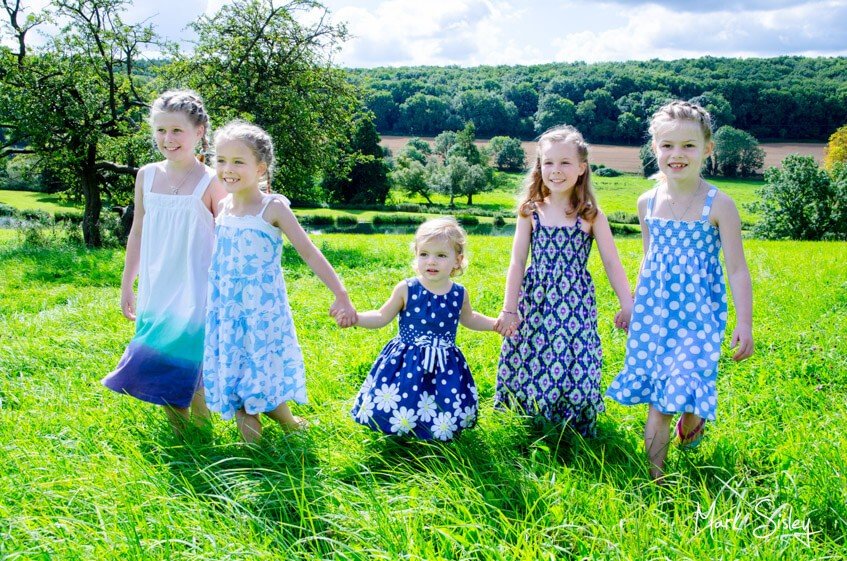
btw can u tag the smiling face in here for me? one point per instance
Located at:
(436, 259)
(680, 150)
(175, 135)
(237, 166)
(560, 166)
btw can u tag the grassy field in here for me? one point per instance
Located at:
(30, 200)
(88, 474)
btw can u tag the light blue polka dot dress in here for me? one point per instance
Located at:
(678, 319)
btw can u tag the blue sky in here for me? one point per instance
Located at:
(474, 32)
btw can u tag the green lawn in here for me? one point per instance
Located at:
(88, 474)
(30, 200)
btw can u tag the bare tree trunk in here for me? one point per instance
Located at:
(93, 203)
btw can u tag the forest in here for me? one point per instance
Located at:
(774, 99)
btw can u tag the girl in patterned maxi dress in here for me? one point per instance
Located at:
(420, 384)
(679, 315)
(550, 360)
(252, 362)
(169, 249)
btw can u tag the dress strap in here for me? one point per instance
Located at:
(536, 220)
(650, 202)
(149, 175)
(204, 182)
(707, 206)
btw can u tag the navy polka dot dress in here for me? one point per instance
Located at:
(678, 319)
(420, 384)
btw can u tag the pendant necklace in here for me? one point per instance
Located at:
(175, 188)
(690, 202)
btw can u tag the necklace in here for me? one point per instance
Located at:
(690, 201)
(175, 188)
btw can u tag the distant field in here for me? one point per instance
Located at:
(31, 200)
(625, 158)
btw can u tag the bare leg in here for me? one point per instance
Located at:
(656, 439)
(282, 415)
(179, 419)
(200, 415)
(250, 426)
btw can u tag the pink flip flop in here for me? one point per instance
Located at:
(691, 440)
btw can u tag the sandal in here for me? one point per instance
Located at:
(691, 440)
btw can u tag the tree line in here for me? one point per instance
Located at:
(781, 98)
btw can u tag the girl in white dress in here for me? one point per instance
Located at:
(169, 250)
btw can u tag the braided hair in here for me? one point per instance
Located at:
(257, 140)
(189, 104)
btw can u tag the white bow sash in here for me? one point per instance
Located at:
(434, 350)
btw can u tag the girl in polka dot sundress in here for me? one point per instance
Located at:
(420, 384)
(680, 308)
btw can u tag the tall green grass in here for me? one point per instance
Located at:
(88, 474)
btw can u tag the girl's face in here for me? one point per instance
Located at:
(237, 166)
(680, 150)
(435, 260)
(175, 136)
(560, 166)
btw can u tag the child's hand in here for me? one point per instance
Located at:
(128, 304)
(623, 318)
(343, 312)
(507, 323)
(742, 337)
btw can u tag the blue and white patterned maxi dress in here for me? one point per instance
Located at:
(420, 384)
(678, 319)
(551, 366)
(251, 360)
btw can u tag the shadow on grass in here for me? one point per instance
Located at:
(65, 265)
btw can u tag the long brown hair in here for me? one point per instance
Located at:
(534, 191)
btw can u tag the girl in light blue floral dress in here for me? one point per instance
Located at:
(252, 363)
(420, 384)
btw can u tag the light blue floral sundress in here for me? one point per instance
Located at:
(678, 318)
(251, 359)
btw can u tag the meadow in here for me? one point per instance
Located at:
(89, 474)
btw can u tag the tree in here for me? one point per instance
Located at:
(412, 177)
(649, 166)
(507, 153)
(424, 114)
(361, 175)
(76, 102)
(802, 202)
(415, 149)
(385, 110)
(554, 110)
(468, 173)
(737, 152)
(630, 129)
(444, 141)
(254, 59)
(487, 111)
(717, 106)
(836, 149)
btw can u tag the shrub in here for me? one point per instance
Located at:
(409, 207)
(499, 221)
(648, 160)
(316, 220)
(467, 220)
(6, 210)
(621, 217)
(607, 172)
(346, 220)
(74, 217)
(394, 219)
(38, 216)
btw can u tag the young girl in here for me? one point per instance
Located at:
(551, 366)
(252, 362)
(169, 249)
(680, 303)
(420, 384)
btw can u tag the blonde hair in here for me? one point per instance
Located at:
(681, 111)
(445, 229)
(257, 141)
(189, 104)
(534, 191)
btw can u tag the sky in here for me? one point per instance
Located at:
(491, 32)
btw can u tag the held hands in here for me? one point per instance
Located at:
(742, 337)
(507, 323)
(624, 317)
(128, 304)
(343, 312)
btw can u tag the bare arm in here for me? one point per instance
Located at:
(508, 320)
(280, 215)
(374, 319)
(214, 195)
(474, 320)
(614, 270)
(726, 218)
(133, 249)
